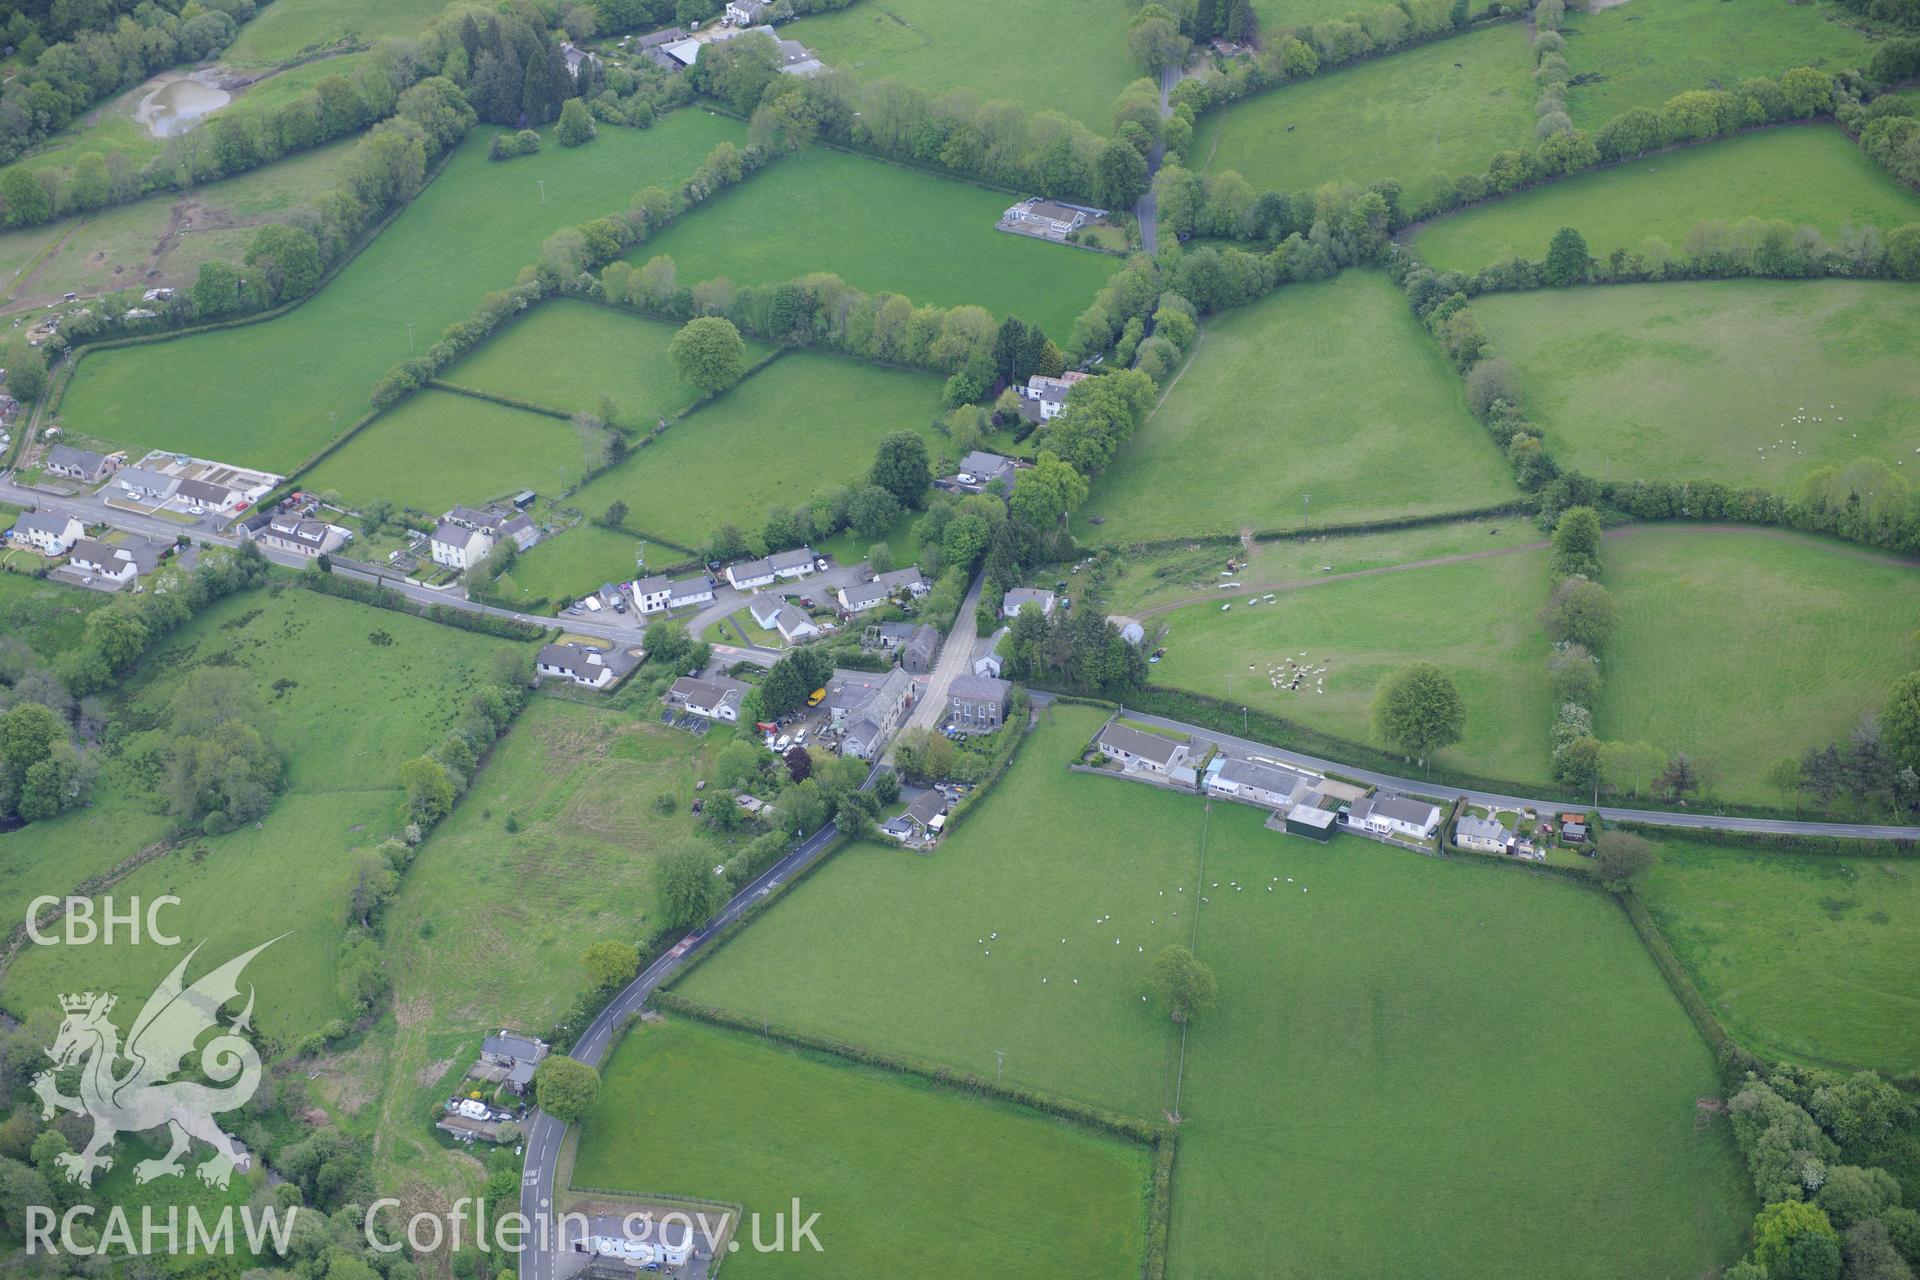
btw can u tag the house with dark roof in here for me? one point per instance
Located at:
(978, 704)
(1020, 597)
(653, 47)
(83, 465)
(1268, 785)
(47, 533)
(290, 531)
(979, 471)
(510, 1060)
(862, 596)
(459, 546)
(868, 709)
(1039, 216)
(1135, 749)
(1387, 813)
(200, 493)
(776, 614)
(1482, 834)
(920, 649)
(711, 697)
(651, 593)
(790, 565)
(582, 664)
(682, 592)
(923, 818)
(987, 658)
(115, 564)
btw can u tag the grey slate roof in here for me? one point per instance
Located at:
(1480, 829)
(42, 522)
(1400, 808)
(456, 535)
(65, 456)
(980, 689)
(1251, 773)
(1148, 746)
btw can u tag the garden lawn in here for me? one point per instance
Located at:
(1744, 924)
(906, 1179)
(1743, 646)
(1703, 380)
(1808, 175)
(562, 812)
(345, 712)
(1329, 389)
(283, 31)
(1045, 856)
(1474, 619)
(169, 234)
(1640, 53)
(569, 564)
(1412, 116)
(272, 394)
(436, 448)
(803, 422)
(893, 230)
(571, 355)
(1438, 1069)
(1059, 55)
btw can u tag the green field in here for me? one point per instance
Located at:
(1642, 52)
(569, 355)
(571, 563)
(1059, 55)
(286, 29)
(1809, 176)
(271, 394)
(1790, 641)
(1410, 116)
(436, 448)
(1745, 924)
(473, 941)
(1344, 1077)
(1703, 380)
(1475, 619)
(345, 712)
(805, 421)
(169, 234)
(907, 1180)
(1277, 14)
(1439, 1070)
(883, 228)
(1331, 390)
(49, 616)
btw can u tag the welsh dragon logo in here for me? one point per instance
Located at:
(130, 1089)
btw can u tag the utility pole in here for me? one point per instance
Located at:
(543, 189)
(409, 337)
(1306, 509)
(999, 1064)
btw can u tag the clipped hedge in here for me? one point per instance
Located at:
(1734, 1060)
(1781, 842)
(369, 593)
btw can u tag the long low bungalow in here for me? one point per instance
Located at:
(1481, 834)
(1135, 749)
(1390, 814)
(862, 596)
(714, 697)
(115, 564)
(1271, 786)
(581, 664)
(689, 591)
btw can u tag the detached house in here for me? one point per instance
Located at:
(291, 532)
(789, 565)
(199, 493)
(1020, 597)
(870, 595)
(745, 13)
(459, 547)
(1135, 749)
(141, 485)
(83, 465)
(115, 564)
(49, 534)
(1267, 785)
(978, 472)
(777, 615)
(1483, 834)
(1047, 217)
(1042, 398)
(717, 698)
(1388, 814)
(582, 665)
(978, 704)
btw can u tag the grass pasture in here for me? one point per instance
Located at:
(1442, 108)
(1000, 49)
(1788, 641)
(280, 32)
(568, 355)
(1475, 619)
(436, 448)
(1416, 1042)
(345, 712)
(1343, 1077)
(1640, 53)
(804, 421)
(474, 940)
(1808, 175)
(883, 228)
(1703, 379)
(571, 563)
(170, 233)
(907, 1180)
(1330, 389)
(272, 394)
(1745, 922)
